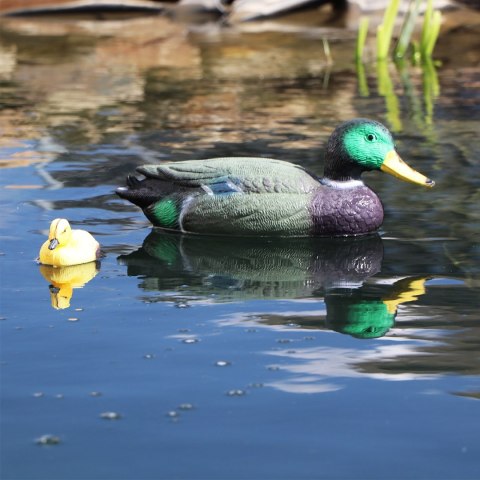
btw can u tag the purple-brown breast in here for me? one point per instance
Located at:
(349, 211)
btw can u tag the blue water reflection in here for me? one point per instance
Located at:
(197, 357)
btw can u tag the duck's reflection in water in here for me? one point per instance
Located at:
(219, 269)
(252, 268)
(326, 284)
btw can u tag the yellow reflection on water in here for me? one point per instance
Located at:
(63, 280)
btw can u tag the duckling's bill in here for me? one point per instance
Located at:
(395, 166)
(53, 244)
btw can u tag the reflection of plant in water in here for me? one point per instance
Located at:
(422, 104)
(431, 88)
(421, 57)
(386, 89)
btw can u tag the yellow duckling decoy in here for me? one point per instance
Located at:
(66, 247)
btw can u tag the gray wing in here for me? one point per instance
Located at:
(235, 174)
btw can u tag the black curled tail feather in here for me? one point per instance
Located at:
(140, 192)
(148, 191)
(132, 181)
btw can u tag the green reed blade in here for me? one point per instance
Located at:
(435, 24)
(426, 28)
(407, 29)
(326, 50)
(416, 55)
(380, 41)
(361, 38)
(385, 30)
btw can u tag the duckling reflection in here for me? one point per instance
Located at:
(64, 279)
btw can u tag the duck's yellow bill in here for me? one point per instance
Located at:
(395, 166)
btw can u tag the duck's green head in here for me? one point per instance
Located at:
(361, 145)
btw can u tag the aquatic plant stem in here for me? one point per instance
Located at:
(427, 18)
(407, 29)
(385, 30)
(361, 38)
(326, 50)
(432, 37)
(430, 30)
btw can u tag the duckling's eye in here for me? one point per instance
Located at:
(370, 137)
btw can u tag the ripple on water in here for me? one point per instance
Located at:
(273, 368)
(182, 305)
(236, 392)
(110, 416)
(257, 385)
(222, 363)
(47, 439)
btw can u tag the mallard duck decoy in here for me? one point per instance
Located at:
(66, 247)
(261, 196)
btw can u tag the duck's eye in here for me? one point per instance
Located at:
(370, 137)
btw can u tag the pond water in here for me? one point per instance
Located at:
(204, 358)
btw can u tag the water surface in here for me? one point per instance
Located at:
(197, 357)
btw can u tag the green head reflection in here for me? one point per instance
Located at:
(361, 316)
(358, 317)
